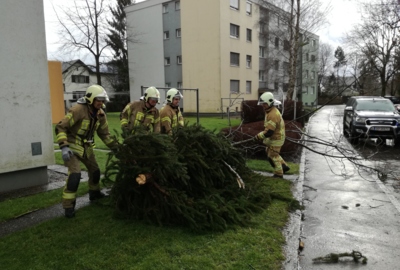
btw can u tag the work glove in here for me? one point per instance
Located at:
(66, 153)
(260, 136)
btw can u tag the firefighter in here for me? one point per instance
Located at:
(142, 113)
(273, 135)
(170, 115)
(75, 135)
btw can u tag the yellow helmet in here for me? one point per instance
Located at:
(96, 91)
(152, 92)
(173, 93)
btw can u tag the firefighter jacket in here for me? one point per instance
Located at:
(274, 121)
(76, 130)
(136, 114)
(170, 118)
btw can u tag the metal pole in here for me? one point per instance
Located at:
(197, 101)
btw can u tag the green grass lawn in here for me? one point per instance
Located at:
(94, 239)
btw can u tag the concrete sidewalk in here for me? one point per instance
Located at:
(56, 175)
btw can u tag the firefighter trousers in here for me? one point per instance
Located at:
(74, 176)
(273, 152)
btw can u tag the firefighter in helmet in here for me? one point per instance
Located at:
(142, 113)
(273, 135)
(170, 115)
(75, 135)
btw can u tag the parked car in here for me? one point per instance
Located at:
(371, 117)
(394, 100)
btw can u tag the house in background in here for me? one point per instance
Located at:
(77, 77)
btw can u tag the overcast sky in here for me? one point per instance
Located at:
(343, 16)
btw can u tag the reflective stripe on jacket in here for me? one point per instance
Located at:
(170, 118)
(77, 129)
(274, 121)
(137, 114)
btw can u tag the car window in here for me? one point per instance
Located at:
(375, 105)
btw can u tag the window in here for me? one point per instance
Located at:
(234, 59)
(248, 8)
(234, 4)
(261, 77)
(234, 86)
(262, 52)
(307, 57)
(305, 89)
(177, 5)
(178, 32)
(168, 84)
(179, 84)
(262, 27)
(286, 45)
(312, 90)
(165, 8)
(276, 64)
(248, 87)
(312, 74)
(285, 87)
(248, 61)
(276, 43)
(276, 86)
(312, 58)
(286, 66)
(80, 79)
(248, 34)
(306, 74)
(167, 61)
(166, 35)
(313, 43)
(234, 30)
(179, 59)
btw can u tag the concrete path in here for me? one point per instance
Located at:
(346, 209)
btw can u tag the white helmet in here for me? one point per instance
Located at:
(96, 91)
(152, 92)
(267, 97)
(173, 93)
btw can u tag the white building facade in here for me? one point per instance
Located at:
(218, 47)
(25, 122)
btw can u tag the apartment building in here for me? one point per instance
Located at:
(220, 47)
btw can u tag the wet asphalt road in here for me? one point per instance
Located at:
(347, 207)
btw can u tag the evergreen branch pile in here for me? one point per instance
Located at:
(184, 180)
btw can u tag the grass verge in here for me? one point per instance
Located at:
(96, 240)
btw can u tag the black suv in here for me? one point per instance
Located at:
(370, 117)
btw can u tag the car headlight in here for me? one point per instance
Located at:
(360, 119)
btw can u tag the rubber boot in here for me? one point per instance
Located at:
(70, 212)
(95, 195)
(285, 168)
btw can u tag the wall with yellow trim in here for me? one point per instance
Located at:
(56, 91)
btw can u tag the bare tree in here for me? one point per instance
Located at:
(376, 37)
(84, 28)
(325, 62)
(299, 19)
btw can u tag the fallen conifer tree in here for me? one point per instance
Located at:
(194, 178)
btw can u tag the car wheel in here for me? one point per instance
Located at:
(344, 131)
(353, 135)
